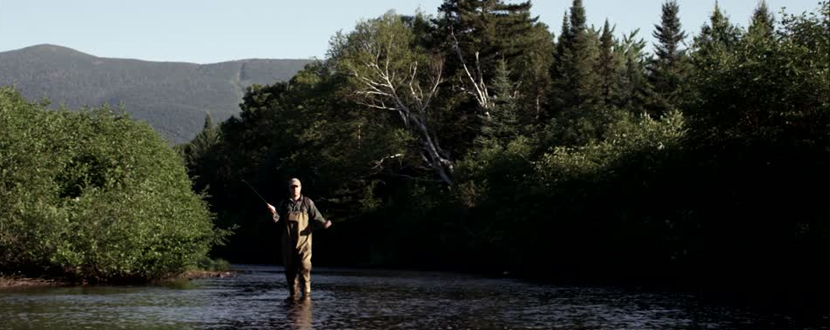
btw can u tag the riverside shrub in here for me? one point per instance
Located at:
(94, 195)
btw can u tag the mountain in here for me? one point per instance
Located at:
(172, 97)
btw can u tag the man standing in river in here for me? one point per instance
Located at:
(301, 218)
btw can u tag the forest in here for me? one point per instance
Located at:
(477, 140)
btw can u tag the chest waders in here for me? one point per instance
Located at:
(296, 251)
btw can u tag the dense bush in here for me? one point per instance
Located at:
(94, 195)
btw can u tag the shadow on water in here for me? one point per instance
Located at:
(371, 299)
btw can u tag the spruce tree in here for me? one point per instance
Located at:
(490, 31)
(669, 68)
(607, 66)
(713, 52)
(763, 22)
(200, 154)
(583, 58)
(558, 70)
(576, 87)
(635, 90)
(501, 125)
(719, 35)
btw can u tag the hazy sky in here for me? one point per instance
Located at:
(209, 31)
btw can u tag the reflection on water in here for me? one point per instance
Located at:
(367, 299)
(300, 315)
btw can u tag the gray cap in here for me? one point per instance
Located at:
(294, 181)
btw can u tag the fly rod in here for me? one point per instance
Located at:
(255, 192)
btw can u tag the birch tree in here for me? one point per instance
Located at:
(389, 71)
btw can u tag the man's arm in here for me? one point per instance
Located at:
(315, 216)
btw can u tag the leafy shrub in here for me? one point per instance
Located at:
(94, 194)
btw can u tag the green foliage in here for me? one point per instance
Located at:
(577, 90)
(608, 67)
(649, 169)
(670, 67)
(765, 89)
(763, 22)
(94, 194)
(715, 41)
(482, 34)
(201, 155)
(489, 32)
(635, 91)
(628, 136)
(218, 264)
(501, 122)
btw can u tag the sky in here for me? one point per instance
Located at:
(210, 31)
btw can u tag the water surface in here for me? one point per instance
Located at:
(368, 299)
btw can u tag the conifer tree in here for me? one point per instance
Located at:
(763, 22)
(718, 36)
(200, 154)
(669, 68)
(478, 34)
(487, 31)
(635, 90)
(607, 66)
(501, 125)
(558, 72)
(575, 88)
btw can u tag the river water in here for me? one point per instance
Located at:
(368, 299)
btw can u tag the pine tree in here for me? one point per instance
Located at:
(565, 33)
(716, 37)
(203, 142)
(669, 68)
(501, 125)
(200, 154)
(583, 58)
(763, 22)
(713, 54)
(607, 66)
(558, 70)
(487, 32)
(635, 90)
(576, 89)
(534, 76)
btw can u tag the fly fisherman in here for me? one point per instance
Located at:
(301, 218)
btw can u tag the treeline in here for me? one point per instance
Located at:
(94, 196)
(479, 140)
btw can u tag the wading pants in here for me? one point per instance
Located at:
(296, 253)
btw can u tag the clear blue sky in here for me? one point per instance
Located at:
(210, 31)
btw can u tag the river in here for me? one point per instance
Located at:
(368, 299)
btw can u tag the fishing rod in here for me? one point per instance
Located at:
(255, 192)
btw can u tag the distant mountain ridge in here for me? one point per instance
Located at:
(173, 97)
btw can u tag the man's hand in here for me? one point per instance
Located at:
(328, 224)
(273, 212)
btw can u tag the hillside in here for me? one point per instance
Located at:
(173, 97)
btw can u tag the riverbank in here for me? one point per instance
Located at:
(197, 274)
(16, 281)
